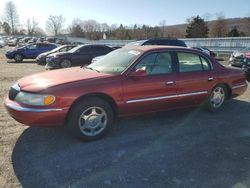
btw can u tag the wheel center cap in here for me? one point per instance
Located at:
(93, 121)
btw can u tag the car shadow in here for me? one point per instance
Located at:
(24, 61)
(187, 148)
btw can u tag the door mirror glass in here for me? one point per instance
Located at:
(138, 73)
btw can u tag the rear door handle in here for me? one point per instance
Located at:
(210, 79)
(169, 83)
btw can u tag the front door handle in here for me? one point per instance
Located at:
(210, 79)
(169, 83)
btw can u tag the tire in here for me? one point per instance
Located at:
(248, 77)
(18, 58)
(90, 119)
(65, 63)
(217, 98)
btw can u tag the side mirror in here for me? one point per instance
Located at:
(138, 73)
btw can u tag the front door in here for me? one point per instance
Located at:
(154, 91)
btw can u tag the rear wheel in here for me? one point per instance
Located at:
(18, 58)
(90, 119)
(217, 98)
(65, 63)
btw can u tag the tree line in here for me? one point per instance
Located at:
(196, 27)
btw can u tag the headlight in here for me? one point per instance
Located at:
(35, 99)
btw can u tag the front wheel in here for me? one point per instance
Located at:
(217, 98)
(65, 63)
(18, 58)
(90, 119)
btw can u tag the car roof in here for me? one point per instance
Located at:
(155, 47)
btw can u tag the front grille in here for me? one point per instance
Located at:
(14, 90)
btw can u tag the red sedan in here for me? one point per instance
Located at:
(128, 81)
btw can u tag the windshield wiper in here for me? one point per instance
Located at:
(90, 68)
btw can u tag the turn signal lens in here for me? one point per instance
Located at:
(49, 100)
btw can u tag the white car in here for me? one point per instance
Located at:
(2, 43)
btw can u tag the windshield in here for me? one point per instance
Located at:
(115, 62)
(57, 49)
(75, 49)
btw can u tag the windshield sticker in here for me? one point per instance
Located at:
(134, 52)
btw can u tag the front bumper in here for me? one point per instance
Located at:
(52, 63)
(9, 56)
(41, 61)
(38, 117)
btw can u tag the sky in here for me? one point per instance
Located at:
(127, 12)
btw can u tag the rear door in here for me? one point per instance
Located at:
(43, 47)
(195, 78)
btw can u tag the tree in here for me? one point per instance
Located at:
(31, 26)
(104, 27)
(54, 24)
(92, 29)
(120, 32)
(76, 28)
(234, 32)
(219, 28)
(6, 28)
(11, 16)
(197, 28)
(162, 25)
(174, 32)
(248, 25)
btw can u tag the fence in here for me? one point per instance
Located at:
(221, 45)
(227, 44)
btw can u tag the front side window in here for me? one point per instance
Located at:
(191, 62)
(32, 47)
(156, 63)
(63, 49)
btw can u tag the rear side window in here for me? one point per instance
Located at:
(191, 62)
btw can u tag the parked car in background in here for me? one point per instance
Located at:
(41, 59)
(129, 81)
(30, 51)
(2, 43)
(246, 65)
(12, 42)
(80, 55)
(159, 41)
(205, 50)
(23, 41)
(237, 57)
(32, 40)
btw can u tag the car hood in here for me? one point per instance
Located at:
(237, 54)
(41, 81)
(15, 49)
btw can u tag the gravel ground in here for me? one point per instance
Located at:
(188, 148)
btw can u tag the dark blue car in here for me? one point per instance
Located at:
(246, 65)
(30, 51)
